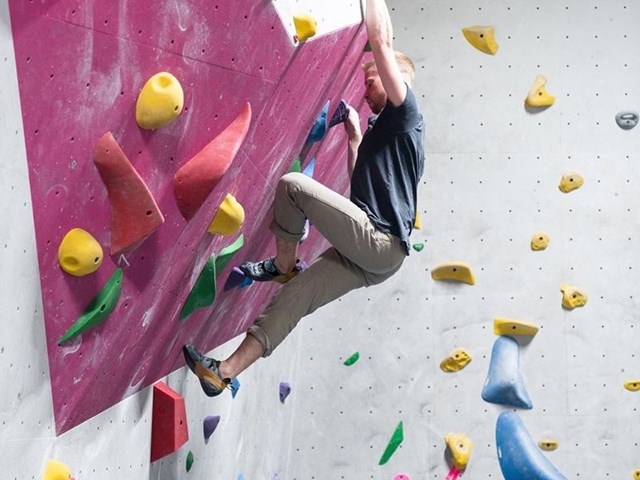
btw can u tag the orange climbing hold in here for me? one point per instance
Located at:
(169, 430)
(198, 177)
(134, 212)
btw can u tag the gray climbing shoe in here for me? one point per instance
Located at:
(207, 370)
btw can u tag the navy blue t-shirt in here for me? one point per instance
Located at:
(389, 165)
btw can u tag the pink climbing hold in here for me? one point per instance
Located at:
(453, 474)
(195, 180)
(135, 215)
(401, 476)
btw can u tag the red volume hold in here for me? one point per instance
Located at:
(134, 212)
(169, 430)
(195, 180)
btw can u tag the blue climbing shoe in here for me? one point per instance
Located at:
(207, 370)
(266, 271)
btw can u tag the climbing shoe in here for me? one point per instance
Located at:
(207, 370)
(266, 270)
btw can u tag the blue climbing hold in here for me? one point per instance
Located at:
(309, 169)
(237, 279)
(235, 386)
(504, 384)
(285, 390)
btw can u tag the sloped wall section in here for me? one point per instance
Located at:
(80, 67)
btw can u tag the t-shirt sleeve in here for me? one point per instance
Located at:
(403, 117)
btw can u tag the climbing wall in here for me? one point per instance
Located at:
(79, 77)
(491, 181)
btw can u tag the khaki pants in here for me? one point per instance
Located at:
(360, 255)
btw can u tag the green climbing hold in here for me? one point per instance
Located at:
(98, 310)
(367, 47)
(189, 460)
(227, 253)
(418, 247)
(394, 443)
(352, 359)
(296, 167)
(203, 293)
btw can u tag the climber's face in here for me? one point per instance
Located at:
(374, 93)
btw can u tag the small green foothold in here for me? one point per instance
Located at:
(99, 309)
(296, 167)
(418, 247)
(367, 47)
(352, 359)
(227, 253)
(394, 443)
(189, 461)
(203, 293)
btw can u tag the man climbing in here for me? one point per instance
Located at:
(369, 232)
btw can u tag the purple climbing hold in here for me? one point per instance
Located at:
(237, 279)
(285, 390)
(340, 115)
(210, 424)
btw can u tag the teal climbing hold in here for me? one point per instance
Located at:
(235, 386)
(227, 253)
(203, 293)
(99, 309)
(189, 460)
(352, 359)
(394, 443)
(319, 128)
(418, 247)
(367, 47)
(309, 169)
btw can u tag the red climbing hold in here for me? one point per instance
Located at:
(169, 429)
(199, 176)
(134, 212)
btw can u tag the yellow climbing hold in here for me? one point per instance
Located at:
(460, 447)
(160, 101)
(508, 326)
(306, 27)
(483, 38)
(636, 474)
(56, 471)
(548, 444)
(570, 181)
(229, 217)
(418, 223)
(538, 96)
(456, 271)
(79, 253)
(539, 241)
(455, 362)
(572, 297)
(633, 385)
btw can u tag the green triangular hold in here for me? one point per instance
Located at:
(189, 460)
(203, 292)
(394, 443)
(352, 359)
(367, 47)
(296, 167)
(418, 247)
(99, 309)
(226, 254)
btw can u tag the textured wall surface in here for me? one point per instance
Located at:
(490, 183)
(80, 68)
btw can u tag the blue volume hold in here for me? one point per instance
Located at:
(519, 456)
(319, 126)
(504, 384)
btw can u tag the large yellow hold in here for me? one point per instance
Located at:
(306, 27)
(56, 471)
(539, 241)
(509, 326)
(460, 447)
(570, 181)
(160, 101)
(633, 385)
(229, 217)
(538, 96)
(79, 253)
(482, 38)
(454, 271)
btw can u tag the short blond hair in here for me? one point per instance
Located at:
(405, 63)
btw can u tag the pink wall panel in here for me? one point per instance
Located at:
(80, 68)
